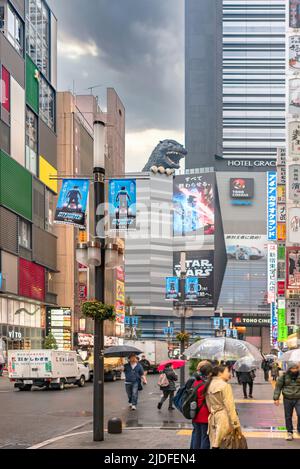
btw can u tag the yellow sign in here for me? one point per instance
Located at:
(281, 194)
(82, 236)
(120, 296)
(281, 231)
(46, 172)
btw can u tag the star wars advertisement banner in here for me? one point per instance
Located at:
(199, 264)
(293, 271)
(294, 182)
(194, 205)
(122, 204)
(294, 53)
(172, 288)
(294, 14)
(72, 202)
(192, 289)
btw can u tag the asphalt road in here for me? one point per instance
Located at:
(28, 418)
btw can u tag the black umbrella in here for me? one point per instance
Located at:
(121, 351)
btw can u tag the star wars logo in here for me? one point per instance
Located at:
(197, 268)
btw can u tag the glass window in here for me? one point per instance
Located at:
(49, 211)
(31, 141)
(5, 89)
(38, 33)
(24, 234)
(2, 18)
(47, 104)
(15, 30)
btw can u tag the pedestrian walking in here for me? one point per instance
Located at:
(223, 417)
(275, 371)
(266, 368)
(146, 366)
(200, 439)
(134, 374)
(169, 388)
(289, 385)
(246, 378)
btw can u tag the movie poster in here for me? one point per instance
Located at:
(247, 247)
(294, 14)
(194, 205)
(72, 202)
(293, 269)
(172, 288)
(199, 264)
(122, 204)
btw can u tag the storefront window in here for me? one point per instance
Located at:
(31, 141)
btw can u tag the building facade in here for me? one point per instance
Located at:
(253, 78)
(75, 283)
(28, 160)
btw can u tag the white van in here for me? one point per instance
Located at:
(51, 368)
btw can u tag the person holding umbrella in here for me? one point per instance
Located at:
(167, 385)
(134, 374)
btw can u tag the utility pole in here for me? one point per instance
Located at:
(99, 199)
(182, 318)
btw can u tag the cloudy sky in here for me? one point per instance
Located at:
(135, 46)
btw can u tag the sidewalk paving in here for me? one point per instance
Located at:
(262, 422)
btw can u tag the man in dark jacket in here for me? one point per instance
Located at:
(266, 367)
(146, 366)
(289, 385)
(168, 391)
(244, 378)
(134, 373)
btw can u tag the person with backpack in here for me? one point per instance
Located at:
(223, 418)
(200, 439)
(167, 385)
(289, 385)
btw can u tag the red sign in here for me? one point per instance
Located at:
(83, 291)
(31, 280)
(281, 288)
(120, 274)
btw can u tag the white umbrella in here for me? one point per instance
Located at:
(246, 364)
(222, 348)
(291, 356)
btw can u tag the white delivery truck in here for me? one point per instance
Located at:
(51, 368)
(156, 351)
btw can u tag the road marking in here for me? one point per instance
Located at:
(253, 401)
(57, 438)
(252, 434)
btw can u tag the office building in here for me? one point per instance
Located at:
(28, 161)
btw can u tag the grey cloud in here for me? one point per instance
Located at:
(142, 55)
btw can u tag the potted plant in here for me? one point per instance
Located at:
(94, 309)
(183, 337)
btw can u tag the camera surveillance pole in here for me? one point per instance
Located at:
(99, 199)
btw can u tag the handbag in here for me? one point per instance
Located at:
(140, 388)
(163, 381)
(234, 440)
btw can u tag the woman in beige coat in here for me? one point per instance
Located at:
(220, 402)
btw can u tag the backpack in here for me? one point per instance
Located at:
(163, 381)
(186, 400)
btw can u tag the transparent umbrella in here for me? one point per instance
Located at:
(291, 356)
(222, 348)
(246, 364)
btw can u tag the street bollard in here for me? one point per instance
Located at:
(114, 426)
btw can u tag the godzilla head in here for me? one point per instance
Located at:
(167, 154)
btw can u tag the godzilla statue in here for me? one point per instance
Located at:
(167, 154)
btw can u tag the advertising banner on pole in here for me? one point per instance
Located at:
(282, 327)
(72, 202)
(293, 227)
(122, 204)
(294, 182)
(272, 206)
(272, 272)
(172, 288)
(192, 288)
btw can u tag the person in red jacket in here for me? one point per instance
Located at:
(200, 439)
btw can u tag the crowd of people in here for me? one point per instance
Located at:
(216, 416)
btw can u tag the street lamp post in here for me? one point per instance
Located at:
(99, 199)
(182, 318)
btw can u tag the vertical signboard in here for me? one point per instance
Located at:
(120, 299)
(59, 324)
(272, 206)
(272, 272)
(282, 328)
(192, 289)
(293, 272)
(294, 14)
(294, 97)
(293, 227)
(294, 53)
(274, 326)
(72, 202)
(122, 204)
(172, 288)
(294, 140)
(294, 182)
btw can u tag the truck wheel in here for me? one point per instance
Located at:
(81, 381)
(25, 387)
(114, 376)
(61, 385)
